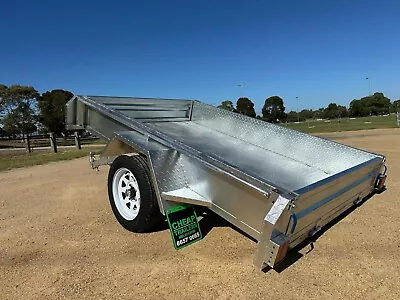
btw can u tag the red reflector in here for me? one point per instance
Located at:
(381, 181)
(283, 249)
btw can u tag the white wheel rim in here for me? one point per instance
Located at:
(126, 194)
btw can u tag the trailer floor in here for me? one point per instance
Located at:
(58, 238)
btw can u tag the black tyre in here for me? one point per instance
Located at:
(132, 195)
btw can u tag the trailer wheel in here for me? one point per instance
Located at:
(131, 193)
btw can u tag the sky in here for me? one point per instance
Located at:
(319, 51)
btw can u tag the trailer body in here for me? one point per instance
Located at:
(278, 185)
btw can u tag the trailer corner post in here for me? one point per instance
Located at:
(77, 140)
(53, 142)
(273, 243)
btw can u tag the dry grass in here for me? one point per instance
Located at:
(9, 162)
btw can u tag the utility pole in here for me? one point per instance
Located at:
(298, 110)
(369, 86)
(241, 86)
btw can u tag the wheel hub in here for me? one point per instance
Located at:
(131, 193)
(126, 193)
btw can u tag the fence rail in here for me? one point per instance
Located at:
(46, 140)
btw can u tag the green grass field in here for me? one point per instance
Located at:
(8, 162)
(374, 122)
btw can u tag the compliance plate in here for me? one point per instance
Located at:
(183, 225)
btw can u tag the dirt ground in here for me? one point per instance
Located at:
(59, 239)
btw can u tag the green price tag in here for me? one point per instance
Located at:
(184, 227)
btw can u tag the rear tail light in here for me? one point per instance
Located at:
(283, 249)
(380, 182)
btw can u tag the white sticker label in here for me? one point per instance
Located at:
(276, 210)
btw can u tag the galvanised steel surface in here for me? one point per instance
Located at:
(276, 184)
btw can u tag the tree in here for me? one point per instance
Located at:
(52, 109)
(342, 111)
(357, 108)
(376, 104)
(334, 111)
(18, 109)
(227, 105)
(292, 116)
(273, 110)
(306, 114)
(330, 112)
(22, 119)
(245, 107)
(3, 93)
(319, 113)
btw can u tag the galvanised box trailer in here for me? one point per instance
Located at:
(278, 185)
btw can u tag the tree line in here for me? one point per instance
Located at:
(273, 109)
(23, 110)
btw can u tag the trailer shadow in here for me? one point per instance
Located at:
(161, 226)
(209, 220)
(294, 254)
